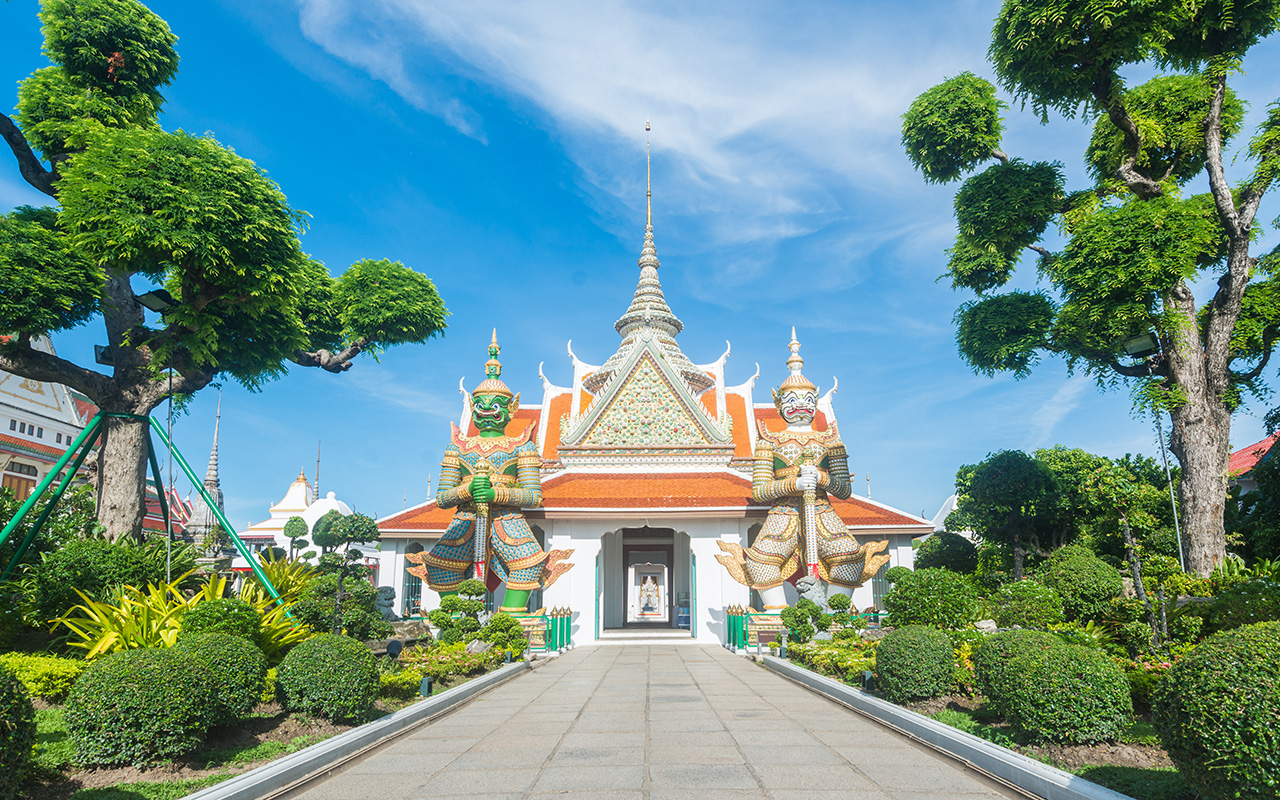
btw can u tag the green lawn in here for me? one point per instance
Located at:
(1140, 784)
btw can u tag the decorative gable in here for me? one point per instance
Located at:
(645, 411)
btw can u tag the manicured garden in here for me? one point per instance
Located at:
(1171, 698)
(115, 682)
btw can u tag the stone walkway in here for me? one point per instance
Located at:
(633, 722)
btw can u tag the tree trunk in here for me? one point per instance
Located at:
(122, 474)
(1019, 555)
(1201, 440)
(1135, 570)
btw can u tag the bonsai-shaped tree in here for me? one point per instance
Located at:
(294, 529)
(177, 221)
(459, 614)
(335, 534)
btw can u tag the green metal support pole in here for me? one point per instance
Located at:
(160, 489)
(217, 512)
(58, 493)
(89, 429)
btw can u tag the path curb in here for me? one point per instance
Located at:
(321, 758)
(1020, 771)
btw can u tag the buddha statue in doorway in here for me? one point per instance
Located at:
(490, 478)
(796, 469)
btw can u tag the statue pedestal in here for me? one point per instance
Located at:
(534, 625)
(763, 627)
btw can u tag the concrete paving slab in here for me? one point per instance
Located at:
(649, 723)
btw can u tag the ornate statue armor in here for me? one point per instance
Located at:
(797, 469)
(490, 478)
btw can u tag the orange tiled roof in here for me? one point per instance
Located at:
(522, 419)
(85, 408)
(559, 406)
(640, 491)
(37, 449)
(773, 421)
(735, 405)
(426, 517)
(646, 490)
(1244, 460)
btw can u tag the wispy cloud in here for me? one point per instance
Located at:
(764, 132)
(1045, 419)
(382, 385)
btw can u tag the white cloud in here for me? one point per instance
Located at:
(1045, 419)
(772, 122)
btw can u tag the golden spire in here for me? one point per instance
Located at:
(648, 180)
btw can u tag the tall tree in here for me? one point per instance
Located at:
(1138, 238)
(1008, 499)
(171, 210)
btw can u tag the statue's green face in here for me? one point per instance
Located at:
(490, 412)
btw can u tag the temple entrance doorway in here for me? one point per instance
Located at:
(645, 579)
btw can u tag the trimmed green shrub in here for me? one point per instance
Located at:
(1218, 713)
(993, 659)
(317, 605)
(1244, 604)
(504, 632)
(937, 597)
(225, 615)
(947, 551)
(335, 676)
(17, 733)
(95, 566)
(1067, 693)
(269, 692)
(46, 677)
(140, 706)
(1085, 582)
(913, 662)
(238, 668)
(1027, 603)
(401, 685)
(839, 602)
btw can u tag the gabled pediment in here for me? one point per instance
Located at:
(646, 405)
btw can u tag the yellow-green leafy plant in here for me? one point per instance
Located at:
(46, 677)
(278, 631)
(131, 618)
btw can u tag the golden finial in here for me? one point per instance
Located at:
(648, 179)
(794, 363)
(492, 383)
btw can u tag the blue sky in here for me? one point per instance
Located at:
(499, 149)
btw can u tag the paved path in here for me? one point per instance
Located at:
(632, 722)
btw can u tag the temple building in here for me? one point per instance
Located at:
(646, 467)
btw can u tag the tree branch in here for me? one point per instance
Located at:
(1213, 160)
(1139, 184)
(1268, 340)
(41, 366)
(331, 362)
(999, 154)
(33, 172)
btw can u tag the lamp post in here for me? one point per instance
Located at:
(1145, 346)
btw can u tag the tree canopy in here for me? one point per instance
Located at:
(141, 208)
(1136, 241)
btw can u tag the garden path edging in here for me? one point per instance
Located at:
(321, 758)
(1012, 768)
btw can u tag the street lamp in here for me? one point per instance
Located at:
(157, 300)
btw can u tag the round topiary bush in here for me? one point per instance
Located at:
(17, 733)
(238, 668)
(1028, 604)
(140, 706)
(993, 658)
(1068, 694)
(913, 662)
(1244, 604)
(937, 597)
(1218, 713)
(335, 676)
(947, 551)
(226, 615)
(1085, 582)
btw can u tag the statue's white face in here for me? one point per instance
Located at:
(798, 406)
